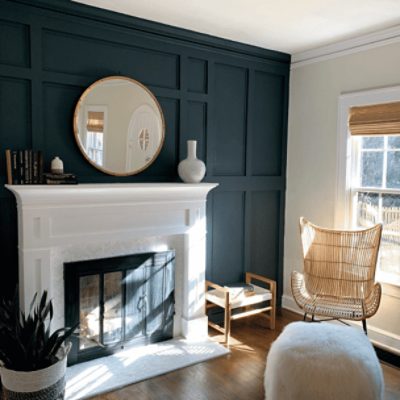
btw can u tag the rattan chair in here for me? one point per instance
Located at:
(339, 271)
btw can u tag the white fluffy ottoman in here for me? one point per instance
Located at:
(322, 361)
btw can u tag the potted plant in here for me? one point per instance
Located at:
(33, 359)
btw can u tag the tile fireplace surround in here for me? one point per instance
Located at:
(58, 224)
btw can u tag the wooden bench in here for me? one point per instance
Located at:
(226, 298)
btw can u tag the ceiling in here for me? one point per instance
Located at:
(291, 26)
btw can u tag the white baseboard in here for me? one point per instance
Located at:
(379, 337)
(289, 304)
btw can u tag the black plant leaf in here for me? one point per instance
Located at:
(26, 341)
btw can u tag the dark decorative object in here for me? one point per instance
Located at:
(59, 179)
(33, 360)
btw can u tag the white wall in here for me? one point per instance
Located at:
(312, 164)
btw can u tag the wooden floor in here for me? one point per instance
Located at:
(237, 376)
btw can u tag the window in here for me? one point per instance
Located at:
(94, 146)
(95, 136)
(369, 171)
(375, 193)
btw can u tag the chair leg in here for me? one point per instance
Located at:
(364, 323)
(305, 316)
(227, 319)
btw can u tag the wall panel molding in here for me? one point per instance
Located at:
(14, 44)
(209, 89)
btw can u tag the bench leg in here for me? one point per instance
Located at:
(227, 322)
(273, 304)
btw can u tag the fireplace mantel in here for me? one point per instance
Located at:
(60, 214)
(58, 223)
(110, 193)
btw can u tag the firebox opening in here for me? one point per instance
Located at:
(119, 301)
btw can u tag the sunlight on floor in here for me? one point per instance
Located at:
(234, 344)
(85, 383)
(136, 364)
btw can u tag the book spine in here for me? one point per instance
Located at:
(26, 166)
(15, 169)
(35, 168)
(40, 167)
(30, 165)
(21, 167)
(9, 168)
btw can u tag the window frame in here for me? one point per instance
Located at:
(347, 162)
(97, 108)
(93, 149)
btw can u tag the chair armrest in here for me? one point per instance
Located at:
(297, 282)
(372, 302)
(271, 283)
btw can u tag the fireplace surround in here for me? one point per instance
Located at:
(63, 224)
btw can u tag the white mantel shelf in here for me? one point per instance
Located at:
(64, 223)
(46, 195)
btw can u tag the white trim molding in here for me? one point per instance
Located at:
(345, 47)
(288, 303)
(343, 155)
(345, 158)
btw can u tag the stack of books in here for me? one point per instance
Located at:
(60, 179)
(24, 167)
(240, 289)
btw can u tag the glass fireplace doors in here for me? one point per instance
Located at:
(119, 300)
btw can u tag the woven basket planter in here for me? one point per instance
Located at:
(44, 384)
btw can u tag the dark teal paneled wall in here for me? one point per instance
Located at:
(231, 97)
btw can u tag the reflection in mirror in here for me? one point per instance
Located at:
(119, 126)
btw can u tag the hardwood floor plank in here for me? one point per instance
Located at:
(239, 375)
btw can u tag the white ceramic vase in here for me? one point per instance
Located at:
(57, 166)
(191, 169)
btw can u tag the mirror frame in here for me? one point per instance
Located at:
(78, 107)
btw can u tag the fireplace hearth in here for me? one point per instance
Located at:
(119, 301)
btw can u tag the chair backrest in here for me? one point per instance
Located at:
(339, 263)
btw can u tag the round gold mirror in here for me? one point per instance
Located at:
(119, 126)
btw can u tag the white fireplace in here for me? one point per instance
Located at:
(65, 223)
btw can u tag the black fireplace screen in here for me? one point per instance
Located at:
(119, 301)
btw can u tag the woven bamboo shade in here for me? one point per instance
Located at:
(95, 122)
(377, 119)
